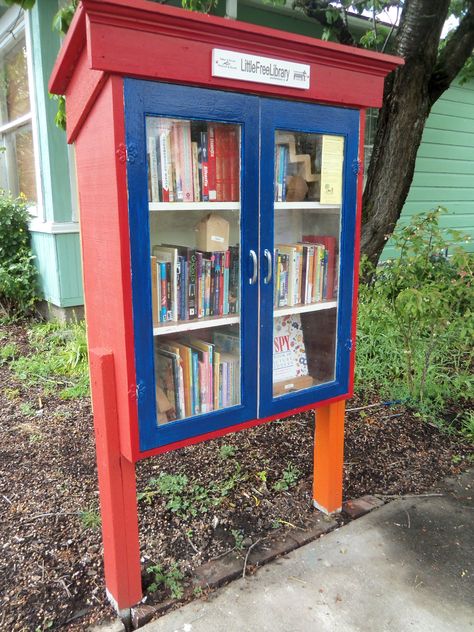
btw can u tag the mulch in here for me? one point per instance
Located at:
(51, 574)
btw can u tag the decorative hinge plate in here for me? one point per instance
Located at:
(356, 167)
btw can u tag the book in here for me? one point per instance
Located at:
(170, 256)
(289, 353)
(203, 159)
(330, 244)
(211, 161)
(166, 386)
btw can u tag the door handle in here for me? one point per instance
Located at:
(253, 257)
(268, 256)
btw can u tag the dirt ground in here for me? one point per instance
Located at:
(220, 495)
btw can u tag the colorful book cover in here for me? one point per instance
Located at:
(330, 244)
(154, 294)
(289, 353)
(170, 255)
(163, 290)
(234, 280)
(195, 164)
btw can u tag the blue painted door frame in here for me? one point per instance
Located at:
(258, 118)
(315, 119)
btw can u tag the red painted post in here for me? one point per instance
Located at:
(117, 489)
(329, 457)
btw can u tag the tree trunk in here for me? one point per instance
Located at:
(407, 103)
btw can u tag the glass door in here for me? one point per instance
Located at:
(196, 245)
(307, 221)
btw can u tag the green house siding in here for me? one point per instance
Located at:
(58, 259)
(444, 172)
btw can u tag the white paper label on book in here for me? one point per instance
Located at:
(219, 240)
(246, 67)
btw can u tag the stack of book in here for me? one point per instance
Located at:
(192, 162)
(304, 273)
(187, 283)
(194, 376)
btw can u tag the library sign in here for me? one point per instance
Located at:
(233, 65)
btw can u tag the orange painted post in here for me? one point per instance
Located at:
(329, 457)
(117, 489)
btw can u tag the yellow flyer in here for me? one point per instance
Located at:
(331, 169)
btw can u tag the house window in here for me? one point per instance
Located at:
(17, 165)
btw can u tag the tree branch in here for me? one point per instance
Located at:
(316, 9)
(454, 55)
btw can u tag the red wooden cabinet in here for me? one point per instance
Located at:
(219, 180)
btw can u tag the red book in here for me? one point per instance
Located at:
(211, 161)
(234, 166)
(330, 244)
(221, 166)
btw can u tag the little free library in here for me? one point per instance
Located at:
(219, 175)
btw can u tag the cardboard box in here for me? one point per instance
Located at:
(212, 234)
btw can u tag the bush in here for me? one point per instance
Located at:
(416, 321)
(18, 277)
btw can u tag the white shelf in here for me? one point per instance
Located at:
(197, 323)
(300, 309)
(193, 206)
(310, 206)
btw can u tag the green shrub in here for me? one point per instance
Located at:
(18, 277)
(58, 360)
(416, 320)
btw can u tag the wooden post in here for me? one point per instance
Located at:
(329, 457)
(117, 490)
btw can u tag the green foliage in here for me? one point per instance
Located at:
(171, 579)
(90, 519)
(416, 320)
(58, 360)
(8, 352)
(238, 539)
(202, 6)
(187, 499)
(24, 4)
(289, 478)
(467, 425)
(18, 289)
(226, 452)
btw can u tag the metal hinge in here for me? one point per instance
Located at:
(356, 167)
(348, 344)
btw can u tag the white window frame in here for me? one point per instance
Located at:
(14, 27)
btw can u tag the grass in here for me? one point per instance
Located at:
(57, 361)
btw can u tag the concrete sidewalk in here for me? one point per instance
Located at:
(408, 566)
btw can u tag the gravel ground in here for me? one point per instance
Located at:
(51, 562)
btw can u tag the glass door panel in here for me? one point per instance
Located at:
(195, 226)
(307, 205)
(192, 173)
(307, 224)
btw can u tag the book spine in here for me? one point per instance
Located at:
(169, 168)
(195, 383)
(192, 281)
(163, 291)
(217, 285)
(211, 157)
(234, 281)
(154, 295)
(203, 387)
(234, 164)
(155, 195)
(195, 162)
(199, 285)
(207, 293)
(165, 166)
(187, 161)
(176, 160)
(225, 310)
(283, 177)
(169, 282)
(179, 282)
(204, 168)
(220, 163)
